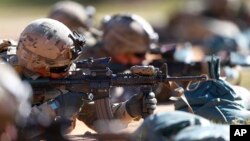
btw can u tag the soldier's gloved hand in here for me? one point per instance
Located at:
(68, 104)
(137, 103)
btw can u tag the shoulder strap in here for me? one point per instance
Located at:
(178, 93)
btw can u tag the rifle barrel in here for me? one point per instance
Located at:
(115, 80)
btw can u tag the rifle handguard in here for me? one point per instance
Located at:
(144, 70)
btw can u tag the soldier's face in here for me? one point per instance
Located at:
(129, 58)
(58, 75)
(45, 73)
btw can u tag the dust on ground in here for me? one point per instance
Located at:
(81, 128)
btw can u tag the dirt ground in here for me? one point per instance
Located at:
(81, 128)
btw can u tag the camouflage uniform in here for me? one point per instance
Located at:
(43, 94)
(33, 63)
(123, 34)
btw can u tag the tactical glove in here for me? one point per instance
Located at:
(68, 104)
(140, 105)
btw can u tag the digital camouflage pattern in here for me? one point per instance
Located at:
(44, 48)
(45, 44)
(127, 33)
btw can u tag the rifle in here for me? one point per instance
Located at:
(97, 78)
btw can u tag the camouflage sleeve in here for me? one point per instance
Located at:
(40, 116)
(43, 114)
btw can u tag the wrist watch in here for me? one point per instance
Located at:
(53, 104)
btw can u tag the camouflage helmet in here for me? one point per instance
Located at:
(45, 44)
(14, 96)
(72, 14)
(127, 33)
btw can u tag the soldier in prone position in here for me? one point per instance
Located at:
(46, 50)
(126, 38)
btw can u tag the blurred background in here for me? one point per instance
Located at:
(168, 17)
(15, 14)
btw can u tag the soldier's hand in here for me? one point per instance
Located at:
(137, 103)
(69, 104)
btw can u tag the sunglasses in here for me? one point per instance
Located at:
(61, 69)
(139, 55)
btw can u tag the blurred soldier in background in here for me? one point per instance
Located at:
(14, 103)
(46, 50)
(231, 10)
(206, 36)
(77, 18)
(123, 40)
(126, 38)
(191, 20)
